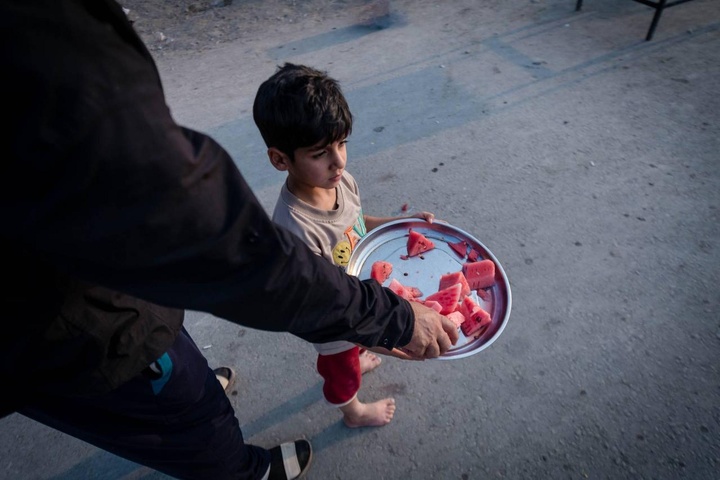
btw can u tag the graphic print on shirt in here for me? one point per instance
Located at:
(343, 249)
(341, 253)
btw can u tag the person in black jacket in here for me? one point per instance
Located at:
(115, 220)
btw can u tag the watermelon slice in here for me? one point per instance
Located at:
(432, 304)
(479, 274)
(418, 243)
(460, 248)
(484, 294)
(447, 298)
(398, 289)
(467, 307)
(414, 291)
(476, 323)
(456, 317)
(473, 255)
(450, 279)
(408, 293)
(381, 271)
(475, 318)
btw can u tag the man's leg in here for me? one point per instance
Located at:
(180, 422)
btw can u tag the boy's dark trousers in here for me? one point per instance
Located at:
(174, 418)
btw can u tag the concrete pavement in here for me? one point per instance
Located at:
(584, 157)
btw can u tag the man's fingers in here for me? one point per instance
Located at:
(447, 337)
(451, 329)
(432, 351)
(413, 355)
(404, 354)
(434, 334)
(444, 343)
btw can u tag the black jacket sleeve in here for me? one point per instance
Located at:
(106, 186)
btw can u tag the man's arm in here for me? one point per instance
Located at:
(177, 225)
(102, 183)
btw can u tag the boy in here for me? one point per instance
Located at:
(304, 119)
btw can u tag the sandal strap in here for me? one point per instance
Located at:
(289, 461)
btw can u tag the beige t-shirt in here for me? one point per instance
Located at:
(332, 234)
(329, 233)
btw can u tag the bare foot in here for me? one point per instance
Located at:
(369, 361)
(374, 414)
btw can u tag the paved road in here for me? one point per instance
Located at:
(585, 158)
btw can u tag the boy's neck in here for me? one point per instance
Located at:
(321, 198)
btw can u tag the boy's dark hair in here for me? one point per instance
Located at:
(298, 107)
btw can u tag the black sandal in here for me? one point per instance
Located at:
(290, 461)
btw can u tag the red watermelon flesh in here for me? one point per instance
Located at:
(467, 307)
(447, 298)
(418, 243)
(484, 294)
(414, 291)
(381, 271)
(456, 317)
(475, 317)
(479, 274)
(473, 255)
(460, 248)
(450, 279)
(476, 323)
(400, 290)
(434, 305)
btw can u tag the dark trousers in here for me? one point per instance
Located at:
(178, 421)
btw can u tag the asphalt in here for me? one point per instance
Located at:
(584, 157)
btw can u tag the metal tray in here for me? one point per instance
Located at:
(388, 242)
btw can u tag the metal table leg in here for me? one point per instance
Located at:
(658, 5)
(656, 18)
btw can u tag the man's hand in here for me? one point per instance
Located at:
(434, 334)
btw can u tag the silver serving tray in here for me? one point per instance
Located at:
(388, 242)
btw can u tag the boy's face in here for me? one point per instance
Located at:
(318, 166)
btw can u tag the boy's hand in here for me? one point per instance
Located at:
(427, 216)
(433, 335)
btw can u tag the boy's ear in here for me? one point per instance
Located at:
(278, 159)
